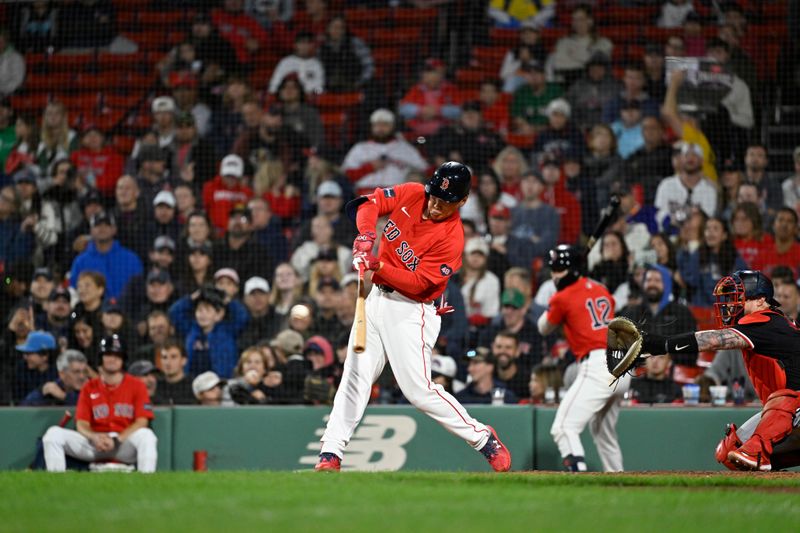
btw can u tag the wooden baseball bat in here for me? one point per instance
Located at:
(607, 216)
(360, 341)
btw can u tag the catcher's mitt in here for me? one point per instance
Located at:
(624, 345)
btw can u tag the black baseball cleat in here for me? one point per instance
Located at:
(575, 463)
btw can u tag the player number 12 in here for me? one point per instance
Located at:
(599, 309)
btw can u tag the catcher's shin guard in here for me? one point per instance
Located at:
(776, 423)
(728, 444)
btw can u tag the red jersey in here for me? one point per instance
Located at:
(106, 165)
(219, 199)
(584, 308)
(770, 258)
(773, 359)
(419, 255)
(752, 250)
(113, 408)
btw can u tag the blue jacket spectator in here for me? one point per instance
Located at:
(210, 342)
(14, 243)
(107, 256)
(35, 368)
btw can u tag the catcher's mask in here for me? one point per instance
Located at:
(732, 291)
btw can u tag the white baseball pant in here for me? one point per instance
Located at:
(590, 399)
(140, 447)
(402, 332)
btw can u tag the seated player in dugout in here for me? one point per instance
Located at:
(749, 319)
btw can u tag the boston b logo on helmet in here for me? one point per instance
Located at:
(451, 182)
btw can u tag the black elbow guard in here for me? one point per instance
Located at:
(683, 343)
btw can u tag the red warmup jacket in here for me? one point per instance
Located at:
(107, 165)
(421, 95)
(219, 199)
(237, 28)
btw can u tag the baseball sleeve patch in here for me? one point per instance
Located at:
(445, 270)
(389, 193)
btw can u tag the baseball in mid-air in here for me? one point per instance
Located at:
(300, 311)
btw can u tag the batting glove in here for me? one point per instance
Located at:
(365, 261)
(444, 308)
(364, 243)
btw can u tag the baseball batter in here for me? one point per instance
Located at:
(584, 307)
(750, 320)
(112, 419)
(421, 247)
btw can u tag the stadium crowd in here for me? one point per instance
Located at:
(216, 248)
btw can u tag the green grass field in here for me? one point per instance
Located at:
(416, 501)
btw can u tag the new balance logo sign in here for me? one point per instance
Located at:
(377, 444)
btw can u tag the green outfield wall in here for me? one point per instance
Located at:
(393, 438)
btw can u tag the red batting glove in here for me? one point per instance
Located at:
(365, 261)
(364, 243)
(444, 308)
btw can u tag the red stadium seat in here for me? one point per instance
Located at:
(472, 78)
(414, 16)
(331, 102)
(504, 37)
(523, 142)
(370, 18)
(30, 103)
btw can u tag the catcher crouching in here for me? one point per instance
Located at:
(749, 319)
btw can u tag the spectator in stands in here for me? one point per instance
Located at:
(289, 361)
(209, 390)
(557, 195)
(210, 335)
(114, 321)
(152, 172)
(174, 385)
(132, 214)
(58, 140)
(738, 101)
(615, 261)
(249, 384)
(158, 294)
(484, 386)
(194, 158)
(184, 92)
(480, 288)
(12, 66)
(385, 159)
(673, 13)
(315, 18)
(788, 294)
(530, 48)
(14, 244)
(277, 142)
(197, 232)
(91, 24)
(329, 205)
(572, 52)
(665, 254)
(326, 299)
(656, 386)
(602, 168)
(38, 24)
(651, 163)
(791, 185)
(487, 193)
(14, 150)
(91, 288)
(715, 258)
(62, 194)
(443, 371)
(185, 202)
(159, 331)
(227, 280)
(242, 31)
(98, 165)
(593, 91)
(633, 81)
(770, 193)
(687, 126)
(34, 369)
(238, 249)
(107, 256)
(321, 241)
(215, 55)
(264, 323)
(226, 119)
(326, 265)
(628, 128)
(38, 220)
(297, 114)
(164, 222)
(748, 233)
(739, 62)
(430, 104)
(560, 138)
(146, 372)
(654, 72)
(494, 106)
(509, 166)
(55, 319)
(73, 372)
(163, 110)
(303, 64)
(513, 317)
(467, 140)
(346, 59)
(784, 250)
(509, 368)
(534, 222)
(267, 229)
(531, 99)
(688, 187)
(659, 312)
(226, 190)
(287, 289)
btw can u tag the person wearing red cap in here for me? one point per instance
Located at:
(184, 91)
(98, 164)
